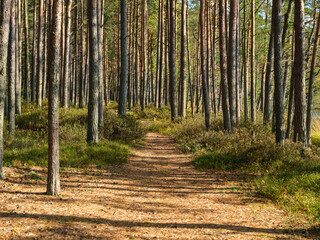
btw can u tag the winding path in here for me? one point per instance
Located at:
(157, 195)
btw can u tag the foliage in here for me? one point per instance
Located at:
(121, 128)
(153, 113)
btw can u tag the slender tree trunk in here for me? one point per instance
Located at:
(279, 99)
(40, 55)
(291, 95)
(172, 61)
(83, 60)
(12, 69)
(76, 54)
(93, 111)
(53, 184)
(253, 64)
(160, 83)
(34, 53)
(18, 59)
(144, 27)
(67, 62)
(100, 20)
(223, 67)
(311, 83)
(130, 48)
(245, 63)
(135, 99)
(5, 6)
(234, 9)
(124, 60)
(203, 43)
(189, 63)
(26, 53)
(183, 60)
(166, 80)
(159, 44)
(287, 18)
(299, 74)
(268, 81)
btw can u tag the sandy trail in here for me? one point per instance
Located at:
(156, 195)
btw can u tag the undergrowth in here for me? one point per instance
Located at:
(30, 145)
(289, 176)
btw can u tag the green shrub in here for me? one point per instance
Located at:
(153, 113)
(30, 144)
(122, 128)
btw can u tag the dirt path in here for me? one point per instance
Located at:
(157, 195)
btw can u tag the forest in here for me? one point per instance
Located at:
(159, 119)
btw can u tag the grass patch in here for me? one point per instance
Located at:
(29, 147)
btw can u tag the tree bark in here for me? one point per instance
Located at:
(93, 111)
(53, 184)
(279, 98)
(183, 60)
(67, 62)
(203, 43)
(5, 6)
(311, 83)
(223, 68)
(172, 61)
(34, 54)
(144, 27)
(122, 110)
(26, 53)
(40, 55)
(12, 69)
(100, 19)
(299, 74)
(253, 64)
(234, 10)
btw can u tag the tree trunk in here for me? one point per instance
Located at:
(311, 83)
(223, 67)
(253, 65)
(5, 6)
(299, 74)
(189, 64)
(203, 43)
(18, 58)
(122, 110)
(144, 27)
(183, 60)
(34, 53)
(83, 60)
(12, 69)
(245, 62)
(67, 62)
(279, 99)
(26, 53)
(93, 111)
(76, 54)
(100, 19)
(172, 61)
(234, 10)
(40, 55)
(53, 184)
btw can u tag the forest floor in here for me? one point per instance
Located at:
(157, 195)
